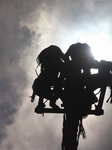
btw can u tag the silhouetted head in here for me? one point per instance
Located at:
(79, 52)
(49, 53)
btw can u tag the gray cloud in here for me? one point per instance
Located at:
(13, 79)
(26, 27)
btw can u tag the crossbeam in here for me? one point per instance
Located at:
(62, 111)
(49, 110)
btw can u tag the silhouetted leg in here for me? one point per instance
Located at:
(40, 103)
(53, 100)
(53, 105)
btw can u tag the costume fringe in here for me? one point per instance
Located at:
(81, 130)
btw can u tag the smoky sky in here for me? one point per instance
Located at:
(26, 28)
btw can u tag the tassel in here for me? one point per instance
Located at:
(81, 130)
(83, 133)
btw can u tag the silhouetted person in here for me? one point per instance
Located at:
(78, 94)
(48, 83)
(79, 61)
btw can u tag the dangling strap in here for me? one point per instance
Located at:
(81, 130)
(110, 97)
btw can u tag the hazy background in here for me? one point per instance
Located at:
(26, 28)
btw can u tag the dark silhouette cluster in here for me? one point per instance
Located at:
(68, 77)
